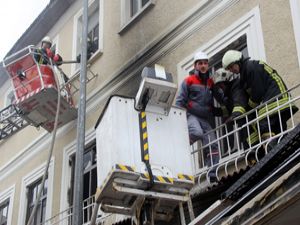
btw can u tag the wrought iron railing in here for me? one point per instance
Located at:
(65, 217)
(242, 138)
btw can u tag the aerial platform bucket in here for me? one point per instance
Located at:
(35, 90)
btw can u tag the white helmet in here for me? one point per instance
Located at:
(200, 56)
(47, 39)
(222, 75)
(230, 57)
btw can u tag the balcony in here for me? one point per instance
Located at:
(237, 152)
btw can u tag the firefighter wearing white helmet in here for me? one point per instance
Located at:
(47, 42)
(195, 95)
(45, 53)
(228, 92)
(262, 83)
(222, 75)
(230, 58)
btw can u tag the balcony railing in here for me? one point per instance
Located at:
(65, 217)
(240, 142)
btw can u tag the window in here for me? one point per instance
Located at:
(136, 6)
(6, 205)
(32, 192)
(4, 212)
(240, 44)
(10, 97)
(131, 9)
(89, 180)
(31, 183)
(244, 35)
(94, 44)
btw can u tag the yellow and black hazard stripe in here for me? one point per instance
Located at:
(125, 168)
(144, 136)
(185, 177)
(160, 179)
(144, 145)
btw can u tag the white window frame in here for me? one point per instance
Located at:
(29, 179)
(8, 194)
(55, 41)
(295, 11)
(68, 151)
(249, 24)
(11, 89)
(100, 41)
(126, 18)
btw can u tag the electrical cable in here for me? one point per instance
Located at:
(32, 215)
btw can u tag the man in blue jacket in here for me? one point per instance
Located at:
(195, 95)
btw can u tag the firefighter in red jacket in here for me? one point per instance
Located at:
(43, 54)
(262, 83)
(196, 96)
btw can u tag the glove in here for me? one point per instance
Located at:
(49, 53)
(57, 59)
(235, 115)
(229, 120)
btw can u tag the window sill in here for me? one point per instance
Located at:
(91, 60)
(136, 17)
(95, 56)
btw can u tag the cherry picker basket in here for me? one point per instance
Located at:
(36, 90)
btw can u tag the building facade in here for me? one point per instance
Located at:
(124, 37)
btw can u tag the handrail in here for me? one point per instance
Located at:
(234, 149)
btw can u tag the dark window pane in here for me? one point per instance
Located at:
(94, 181)
(4, 212)
(45, 187)
(96, 38)
(94, 155)
(86, 186)
(133, 7)
(32, 195)
(43, 214)
(144, 2)
(87, 160)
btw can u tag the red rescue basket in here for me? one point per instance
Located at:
(36, 90)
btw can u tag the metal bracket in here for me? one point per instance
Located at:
(150, 194)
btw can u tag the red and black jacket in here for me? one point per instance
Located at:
(195, 95)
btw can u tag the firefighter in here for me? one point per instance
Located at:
(228, 93)
(44, 53)
(234, 103)
(262, 83)
(195, 95)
